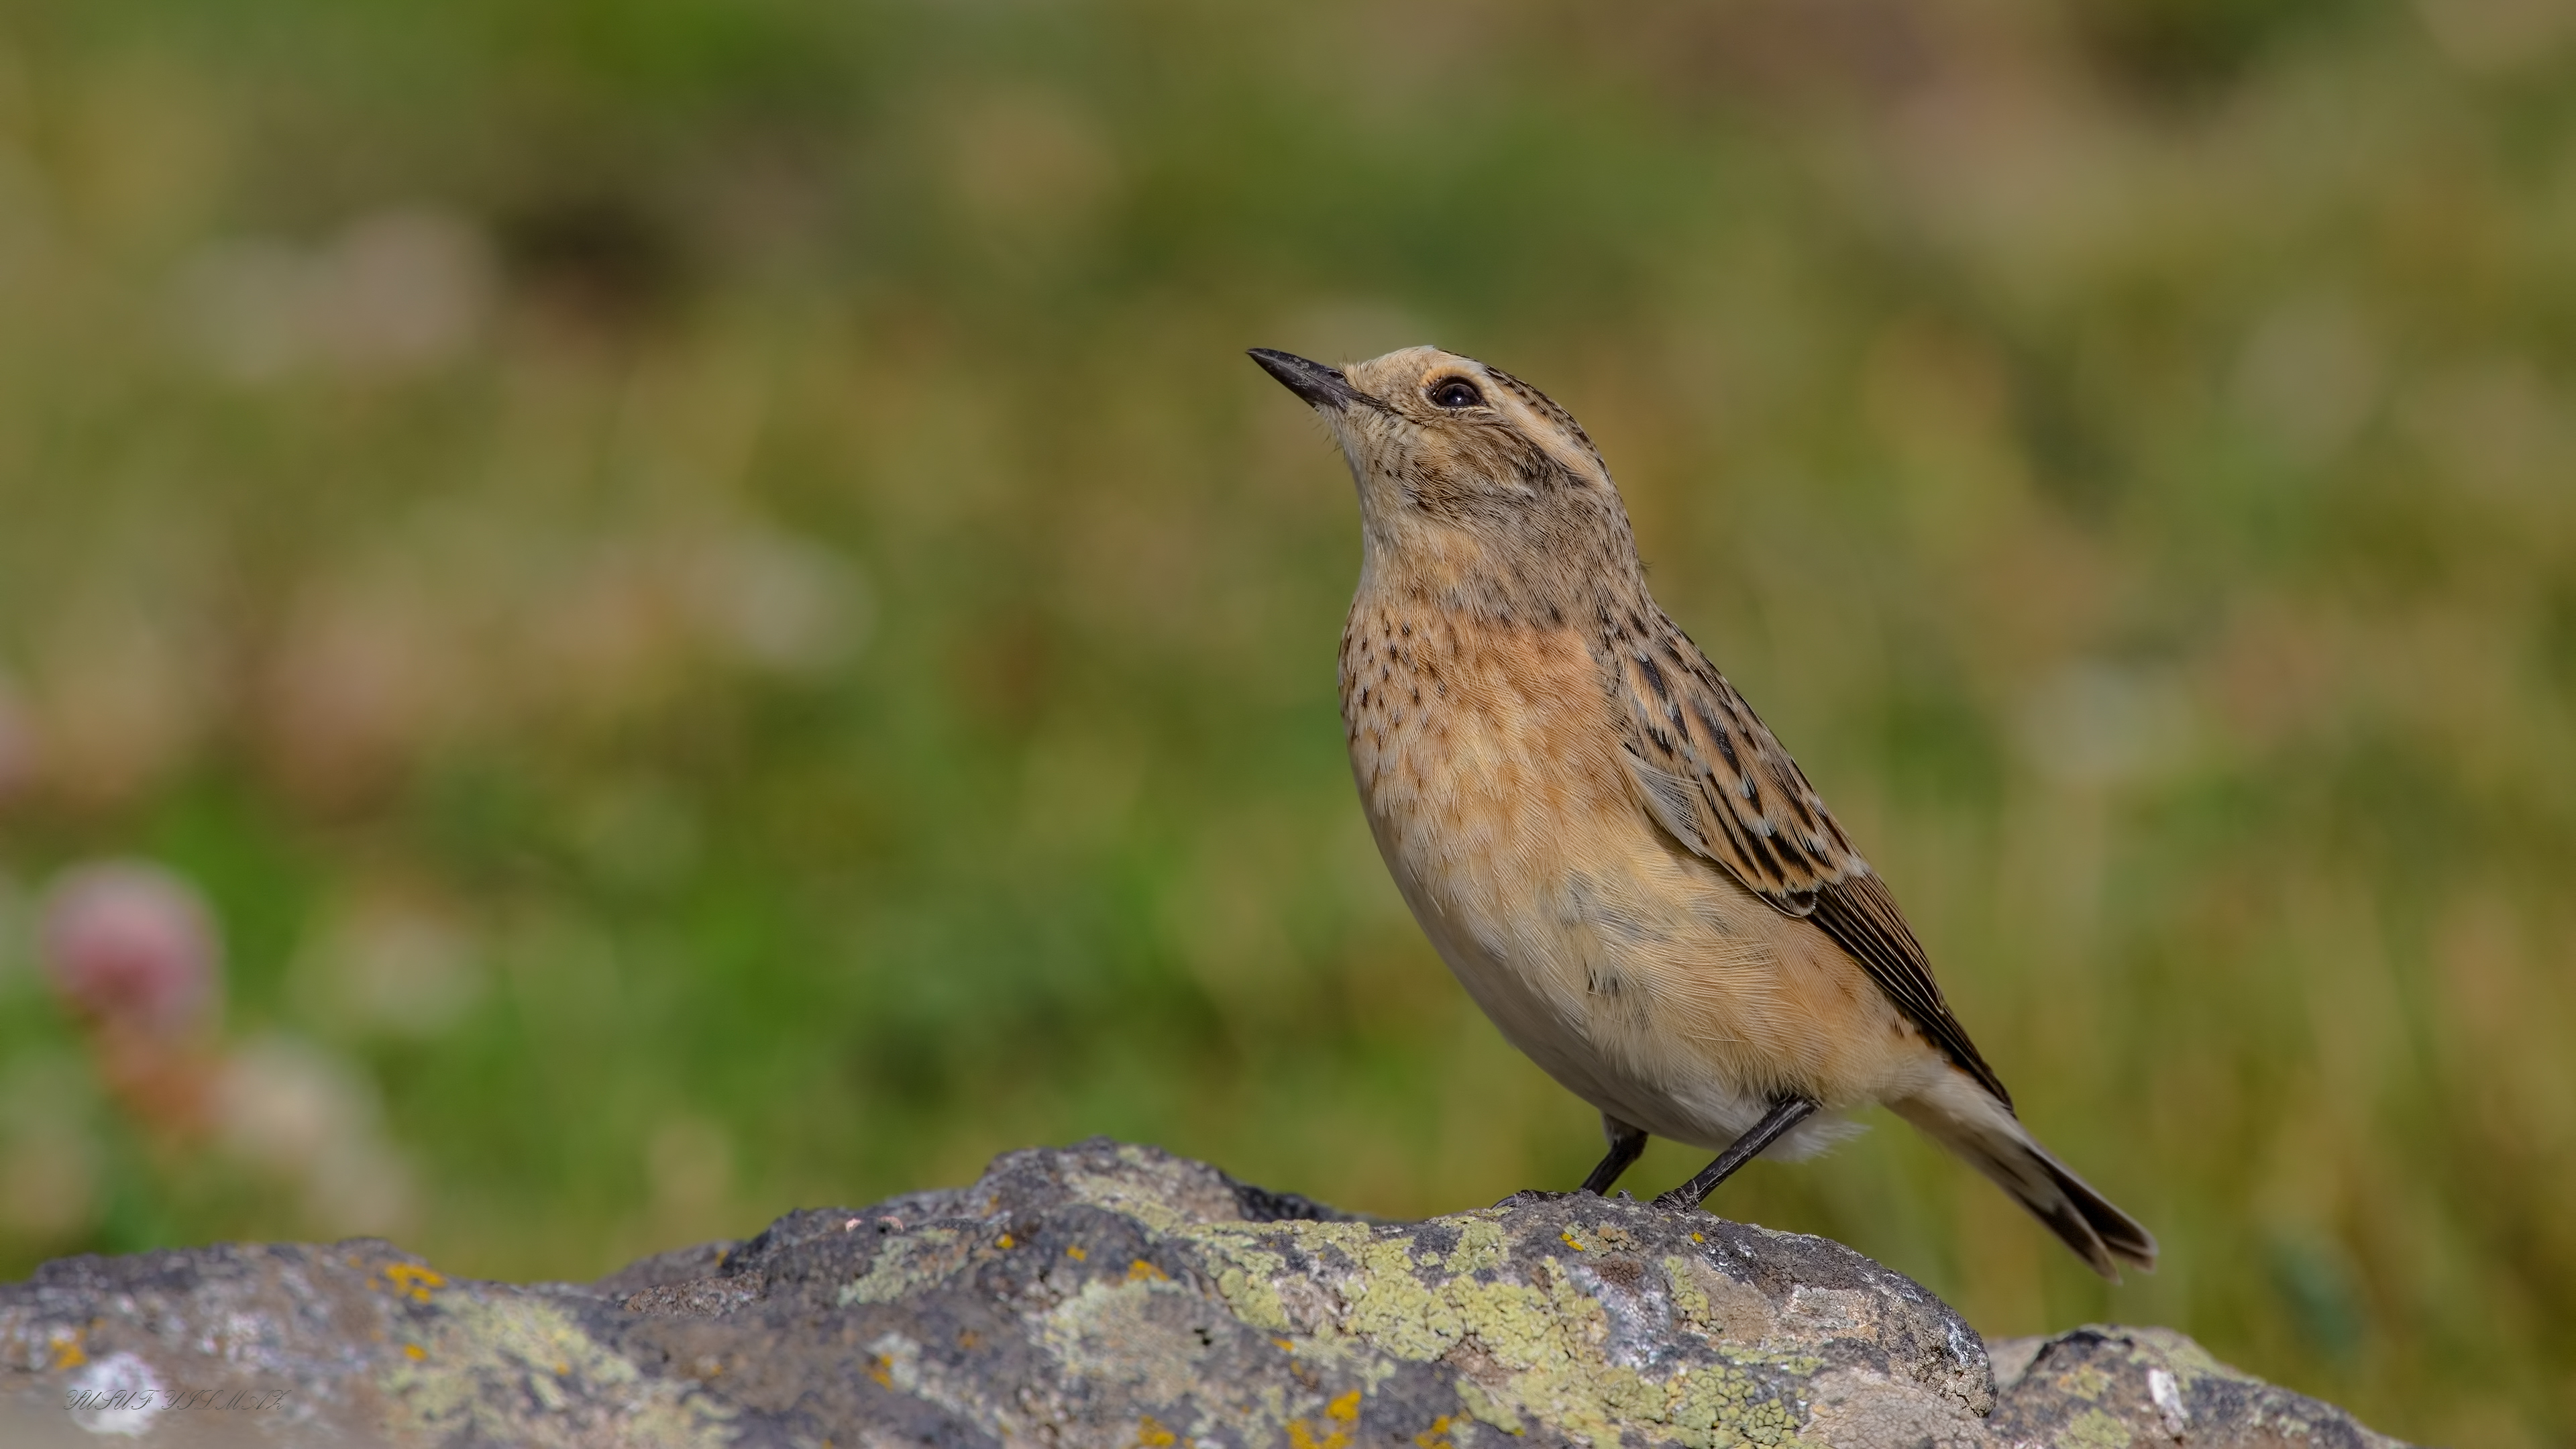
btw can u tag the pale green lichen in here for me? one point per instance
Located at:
(908, 1264)
(2188, 1361)
(1109, 1333)
(2094, 1429)
(1157, 1195)
(1722, 1309)
(585, 1391)
(1481, 1246)
(1247, 1279)
(1486, 1407)
(1545, 1339)
(1152, 1209)
(2086, 1382)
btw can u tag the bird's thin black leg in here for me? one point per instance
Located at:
(1786, 1113)
(1626, 1144)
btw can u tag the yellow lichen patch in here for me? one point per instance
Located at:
(1301, 1435)
(413, 1282)
(1005, 1242)
(1076, 1254)
(68, 1353)
(1141, 1271)
(1435, 1437)
(414, 1352)
(1346, 1408)
(1151, 1435)
(1571, 1241)
(895, 1363)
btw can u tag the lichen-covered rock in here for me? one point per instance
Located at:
(1097, 1295)
(2151, 1386)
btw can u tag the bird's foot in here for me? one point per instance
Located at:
(1529, 1195)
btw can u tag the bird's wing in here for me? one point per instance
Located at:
(1710, 772)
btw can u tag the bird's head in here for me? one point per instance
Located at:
(1469, 479)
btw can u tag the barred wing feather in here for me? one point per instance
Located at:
(1712, 775)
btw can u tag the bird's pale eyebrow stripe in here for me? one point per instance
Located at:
(1546, 407)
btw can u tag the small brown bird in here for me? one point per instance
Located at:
(1623, 867)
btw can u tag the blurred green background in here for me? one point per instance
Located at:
(706, 593)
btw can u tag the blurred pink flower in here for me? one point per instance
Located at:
(132, 947)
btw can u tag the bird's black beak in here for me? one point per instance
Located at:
(1320, 386)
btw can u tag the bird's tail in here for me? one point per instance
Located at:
(1964, 1117)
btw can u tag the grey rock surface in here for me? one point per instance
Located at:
(2151, 1386)
(1101, 1295)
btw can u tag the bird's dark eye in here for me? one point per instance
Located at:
(1454, 392)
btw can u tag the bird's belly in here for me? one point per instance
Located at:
(1671, 1025)
(1641, 977)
